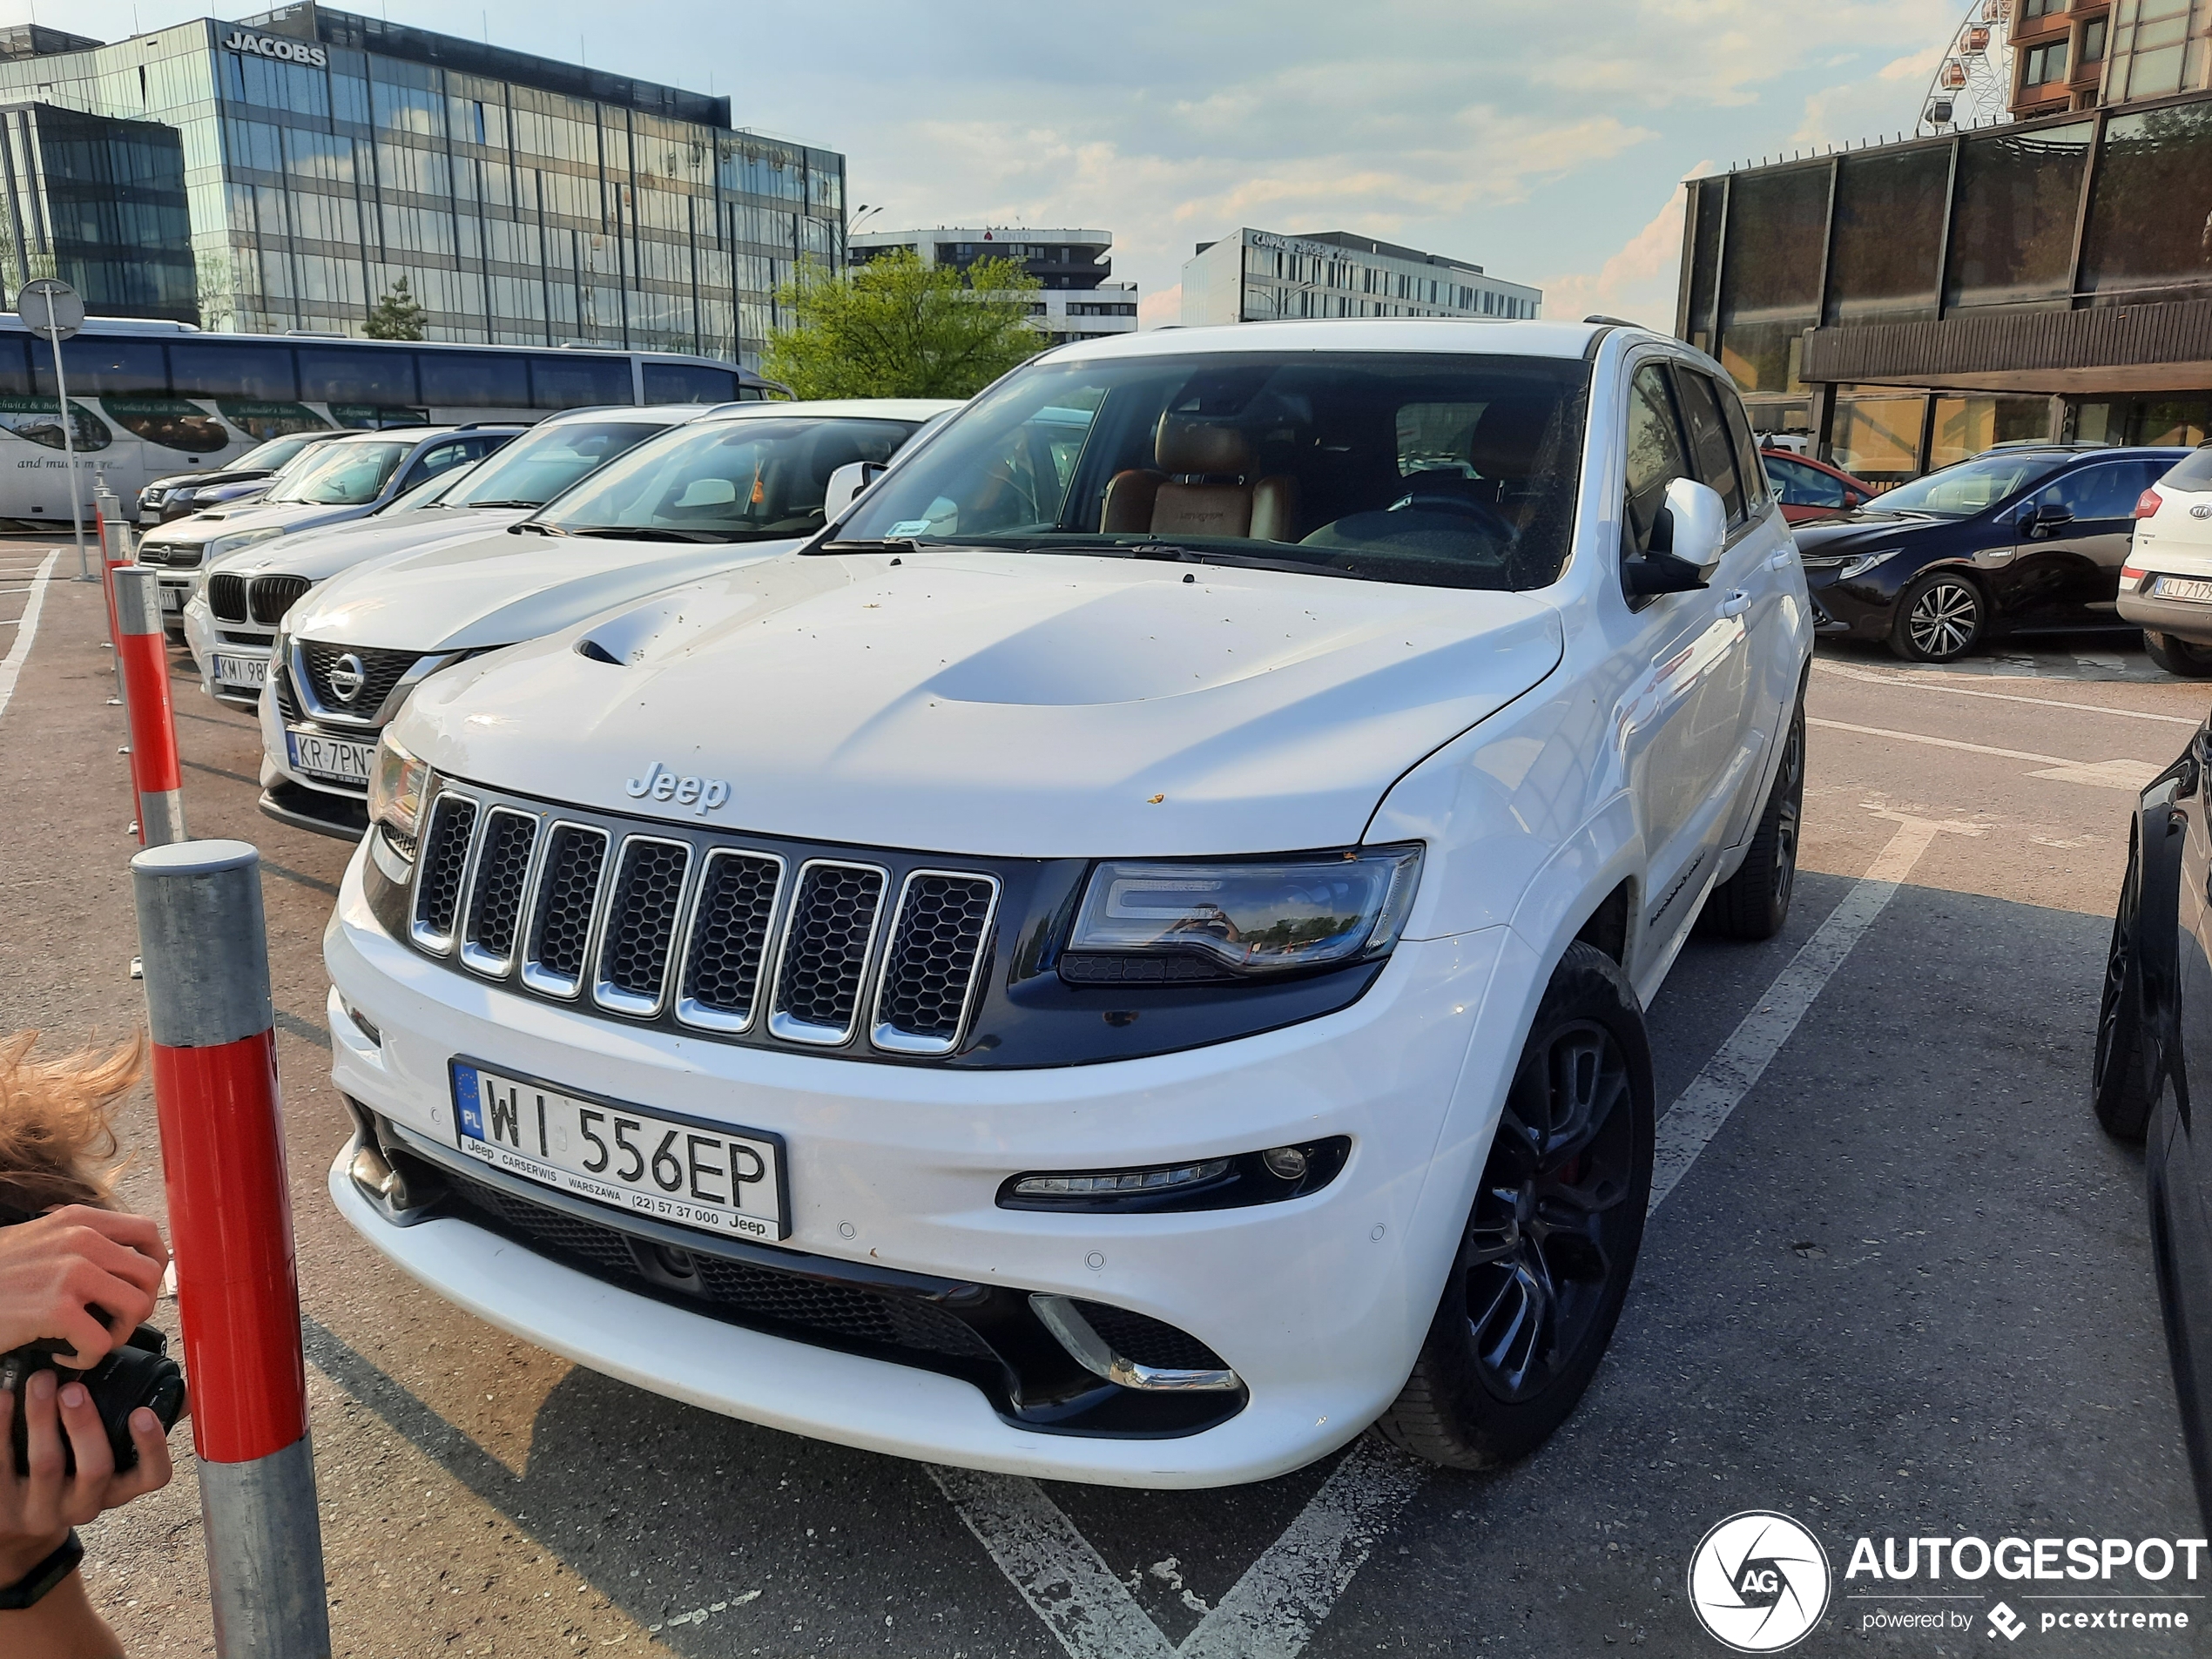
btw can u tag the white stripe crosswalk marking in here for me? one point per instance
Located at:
(11, 666)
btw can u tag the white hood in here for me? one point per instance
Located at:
(290, 518)
(319, 554)
(997, 704)
(496, 590)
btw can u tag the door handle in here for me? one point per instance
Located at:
(1736, 604)
(1781, 561)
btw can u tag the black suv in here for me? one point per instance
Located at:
(2022, 537)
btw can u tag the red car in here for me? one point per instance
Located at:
(1811, 488)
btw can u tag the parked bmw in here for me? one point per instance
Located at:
(2020, 537)
(2167, 589)
(2152, 1068)
(232, 618)
(740, 482)
(1124, 959)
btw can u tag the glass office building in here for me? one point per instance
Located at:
(1907, 306)
(526, 201)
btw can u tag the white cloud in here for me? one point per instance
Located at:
(1637, 283)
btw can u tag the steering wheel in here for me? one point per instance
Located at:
(1493, 524)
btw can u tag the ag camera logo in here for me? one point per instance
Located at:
(1759, 1582)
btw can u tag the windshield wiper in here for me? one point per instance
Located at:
(531, 527)
(880, 544)
(483, 504)
(618, 533)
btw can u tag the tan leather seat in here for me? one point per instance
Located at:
(1204, 486)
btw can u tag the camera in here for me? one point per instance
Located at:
(138, 1372)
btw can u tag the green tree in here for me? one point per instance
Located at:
(396, 316)
(896, 327)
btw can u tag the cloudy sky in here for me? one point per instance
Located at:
(1544, 139)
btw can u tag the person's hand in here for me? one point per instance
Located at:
(52, 1269)
(38, 1507)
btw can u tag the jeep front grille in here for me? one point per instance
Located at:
(226, 597)
(270, 596)
(687, 929)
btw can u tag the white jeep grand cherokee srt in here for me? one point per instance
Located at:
(1123, 958)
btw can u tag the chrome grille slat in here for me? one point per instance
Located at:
(442, 870)
(495, 891)
(638, 939)
(725, 942)
(563, 904)
(835, 913)
(929, 972)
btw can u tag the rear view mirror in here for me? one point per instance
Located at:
(846, 483)
(1691, 526)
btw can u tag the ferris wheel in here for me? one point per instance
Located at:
(1973, 83)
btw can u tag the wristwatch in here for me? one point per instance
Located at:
(26, 1590)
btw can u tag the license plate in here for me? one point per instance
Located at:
(248, 673)
(173, 598)
(677, 1169)
(341, 760)
(2182, 587)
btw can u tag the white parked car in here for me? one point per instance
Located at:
(1124, 961)
(231, 620)
(330, 483)
(739, 481)
(2166, 586)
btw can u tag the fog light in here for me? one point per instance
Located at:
(1287, 1162)
(1118, 1182)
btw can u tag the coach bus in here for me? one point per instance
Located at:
(149, 399)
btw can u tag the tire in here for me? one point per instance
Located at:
(1753, 903)
(1940, 615)
(1550, 1244)
(2179, 657)
(2119, 1083)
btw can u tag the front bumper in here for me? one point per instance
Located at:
(1857, 609)
(1319, 1303)
(296, 798)
(226, 654)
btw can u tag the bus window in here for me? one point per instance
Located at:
(125, 367)
(259, 369)
(377, 376)
(689, 383)
(474, 381)
(15, 366)
(574, 381)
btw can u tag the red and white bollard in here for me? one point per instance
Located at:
(142, 655)
(114, 552)
(202, 936)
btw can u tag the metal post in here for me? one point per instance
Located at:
(142, 652)
(68, 435)
(202, 935)
(108, 563)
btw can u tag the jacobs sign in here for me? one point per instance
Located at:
(292, 51)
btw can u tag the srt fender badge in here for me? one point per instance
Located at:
(703, 795)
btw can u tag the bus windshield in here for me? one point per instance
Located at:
(745, 480)
(539, 465)
(341, 475)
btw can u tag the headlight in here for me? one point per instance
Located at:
(398, 784)
(223, 545)
(1860, 563)
(1163, 922)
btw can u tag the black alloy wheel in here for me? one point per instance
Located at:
(1755, 902)
(1940, 616)
(2181, 657)
(2119, 1086)
(1543, 1266)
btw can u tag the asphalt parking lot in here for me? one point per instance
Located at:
(1904, 1288)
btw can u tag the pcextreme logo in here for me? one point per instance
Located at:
(1758, 1583)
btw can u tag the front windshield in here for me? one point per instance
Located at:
(542, 463)
(1436, 470)
(742, 479)
(272, 456)
(342, 475)
(1969, 487)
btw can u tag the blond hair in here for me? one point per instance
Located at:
(58, 1142)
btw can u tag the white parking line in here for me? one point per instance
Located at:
(1924, 682)
(1700, 1109)
(12, 665)
(1271, 1613)
(2116, 773)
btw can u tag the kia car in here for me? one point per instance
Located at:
(1122, 956)
(2166, 589)
(2019, 538)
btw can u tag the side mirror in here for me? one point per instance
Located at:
(1691, 527)
(2039, 522)
(1853, 498)
(1660, 573)
(846, 483)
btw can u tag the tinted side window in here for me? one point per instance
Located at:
(2107, 491)
(473, 381)
(1758, 489)
(1803, 486)
(340, 374)
(242, 368)
(2192, 472)
(1708, 440)
(575, 381)
(689, 383)
(1656, 455)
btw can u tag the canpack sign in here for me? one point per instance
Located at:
(290, 52)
